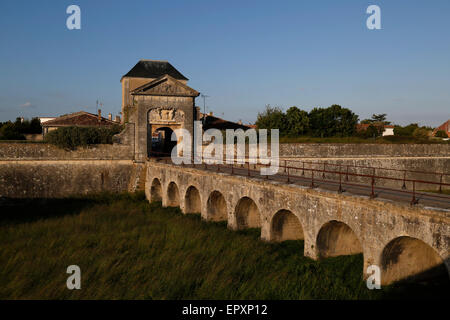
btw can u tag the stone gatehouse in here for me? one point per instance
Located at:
(155, 98)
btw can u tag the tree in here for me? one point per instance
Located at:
(406, 131)
(380, 118)
(272, 118)
(35, 126)
(16, 130)
(332, 121)
(377, 119)
(9, 131)
(421, 133)
(73, 137)
(374, 131)
(297, 121)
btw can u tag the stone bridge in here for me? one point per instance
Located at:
(404, 241)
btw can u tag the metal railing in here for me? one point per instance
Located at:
(316, 175)
(403, 172)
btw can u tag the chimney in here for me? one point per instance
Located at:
(239, 122)
(117, 119)
(210, 113)
(109, 116)
(99, 115)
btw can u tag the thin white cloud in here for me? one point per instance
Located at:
(26, 105)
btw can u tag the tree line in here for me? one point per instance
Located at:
(334, 121)
(72, 137)
(16, 130)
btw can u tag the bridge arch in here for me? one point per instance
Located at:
(173, 195)
(285, 226)
(216, 207)
(247, 214)
(335, 238)
(155, 190)
(192, 200)
(410, 259)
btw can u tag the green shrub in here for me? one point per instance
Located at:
(406, 131)
(15, 130)
(373, 131)
(420, 133)
(441, 134)
(73, 137)
(9, 131)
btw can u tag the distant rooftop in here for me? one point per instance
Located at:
(79, 119)
(154, 69)
(444, 127)
(213, 122)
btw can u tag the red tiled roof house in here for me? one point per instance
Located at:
(444, 127)
(77, 119)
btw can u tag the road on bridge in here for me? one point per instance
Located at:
(426, 199)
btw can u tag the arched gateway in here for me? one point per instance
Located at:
(155, 102)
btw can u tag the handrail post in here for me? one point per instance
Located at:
(372, 194)
(312, 178)
(248, 168)
(303, 172)
(232, 171)
(346, 177)
(323, 174)
(414, 200)
(340, 190)
(288, 179)
(440, 184)
(404, 180)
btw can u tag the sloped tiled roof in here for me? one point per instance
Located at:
(444, 127)
(154, 69)
(166, 85)
(79, 119)
(212, 122)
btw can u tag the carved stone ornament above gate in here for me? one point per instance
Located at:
(164, 115)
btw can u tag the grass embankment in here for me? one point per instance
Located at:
(130, 249)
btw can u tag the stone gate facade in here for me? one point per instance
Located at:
(155, 97)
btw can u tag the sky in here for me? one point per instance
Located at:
(243, 54)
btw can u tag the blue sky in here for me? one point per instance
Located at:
(243, 54)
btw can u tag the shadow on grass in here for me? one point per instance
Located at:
(180, 245)
(252, 232)
(430, 284)
(22, 210)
